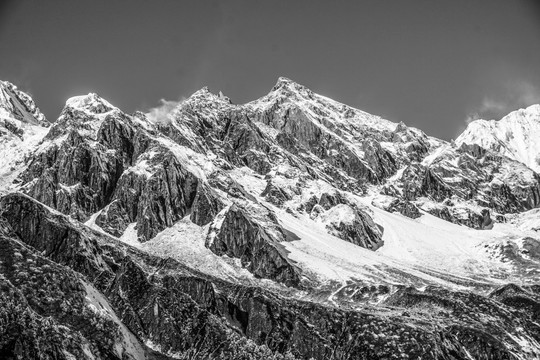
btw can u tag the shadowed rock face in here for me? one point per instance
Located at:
(164, 303)
(240, 236)
(405, 208)
(79, 175)
(158, 201)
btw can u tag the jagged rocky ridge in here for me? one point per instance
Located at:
(244, 176)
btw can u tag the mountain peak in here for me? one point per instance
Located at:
(91, 102)
(515, 135)
(203, 92)
(284, 82)
(205, 96)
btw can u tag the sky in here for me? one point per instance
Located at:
(432, 64)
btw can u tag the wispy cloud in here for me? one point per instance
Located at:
(514, 95)
(162, 113)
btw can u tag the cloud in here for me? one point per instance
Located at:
(513, 95)
(162, 113)
(471, 117)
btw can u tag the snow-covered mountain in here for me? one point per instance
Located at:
(292, 226)
(515, 135)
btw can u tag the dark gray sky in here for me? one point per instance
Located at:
(431, 64)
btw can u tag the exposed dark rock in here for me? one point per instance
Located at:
(222, 181)
(487, 222)
(405, 208)
(378, 159)
(245, 144)
(239, 235)
(154, 200)
(353, 225)
(206, 205)
(435, 187)
(168, 195)
(308, 205)
(328, 201)
(78, 177)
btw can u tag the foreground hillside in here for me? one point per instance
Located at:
(293, 226)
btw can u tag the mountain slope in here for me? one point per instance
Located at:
(306, 226)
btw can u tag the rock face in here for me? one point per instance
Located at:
(352, 225)
(257, 246)
(458, 215)
(467, 174)
(406, 208)
(85, 153)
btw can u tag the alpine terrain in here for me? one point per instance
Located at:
(289, 227)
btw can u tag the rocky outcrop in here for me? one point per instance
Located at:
(491, 180)
(471, 174)
(244, 143)
(345, 219)
(435, 187)
(353, 225)
(416, 143)
(405, 208)
(458, 215)
(206, 205)
(155, 198)
(275, 194)
(522, 252)
(255, 242)
(487, 221)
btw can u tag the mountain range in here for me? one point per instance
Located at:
(289, 227)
